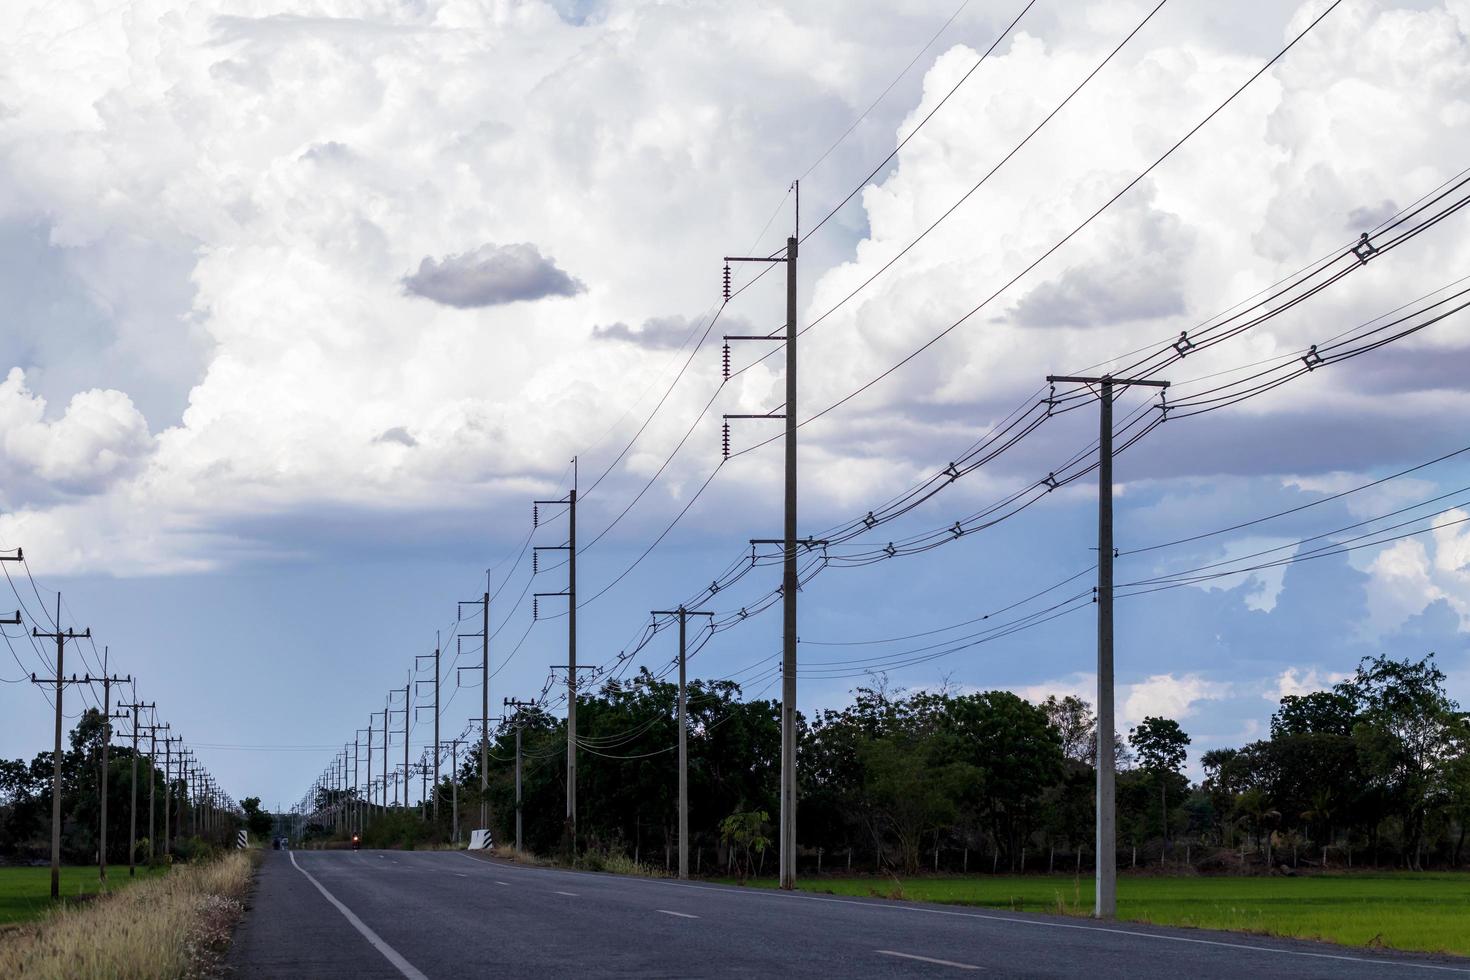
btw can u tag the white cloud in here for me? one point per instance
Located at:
(100, 437)
(298, 165)
(1168, 696)
(1296, 681)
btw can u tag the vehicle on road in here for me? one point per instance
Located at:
(356, 843)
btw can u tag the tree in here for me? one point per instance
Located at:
(258, 822)
(1160, 744)
(745, 833)
(1075, 725)
(1405, 734)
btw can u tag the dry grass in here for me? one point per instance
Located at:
(169, 927)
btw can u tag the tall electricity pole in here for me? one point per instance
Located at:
(153, 731)
(683, 615)
(407, 715)
(518, 705)
(60, 681)
(106, 680)
(424, 656)
(788, 575)
(484, 668)
(1106, 903)
(133, 809)
(356, 797)
(454, 745)
(385, 758)
(570, 548)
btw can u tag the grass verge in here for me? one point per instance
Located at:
(169, 926)
(1426, 912)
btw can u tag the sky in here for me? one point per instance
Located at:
(306, 302)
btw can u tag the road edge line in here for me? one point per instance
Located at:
(392, 955)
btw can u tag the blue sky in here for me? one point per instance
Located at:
(310, 303)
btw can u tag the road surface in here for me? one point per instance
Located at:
(446, 914)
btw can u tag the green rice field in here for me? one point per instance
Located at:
(1427, 911)
(25, 893)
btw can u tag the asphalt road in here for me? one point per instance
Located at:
(441, 914)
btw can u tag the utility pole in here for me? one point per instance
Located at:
(356, 798)
(168, 789)
(133, 809)
(425, 656)
(1106, 903)
(518, 705)
(107, 680)
(683, 615)
(385, 757)
(407, 714)
(371, 715)
(153, 731)
(571, 595)
(788, 576)
(454, 745)
(484, 603)
(59, 681)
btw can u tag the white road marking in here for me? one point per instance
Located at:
(929, 959)
(505, 883)
(682, 915)
(568, 894)
(391, 954)
(458, 875)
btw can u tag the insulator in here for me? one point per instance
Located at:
(535, 563)
(535, 515)
(727, 282)
(727, 360)
(535, 608)
(726, 441)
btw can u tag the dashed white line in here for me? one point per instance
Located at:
(929, 959)
(682, 915)
(505, 883)
(391, 954)
(568, 894)
(458, 875)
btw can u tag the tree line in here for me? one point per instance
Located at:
(25, 804)
(1373, 772)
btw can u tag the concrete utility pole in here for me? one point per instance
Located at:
(518, 705)
(484, 669)
(1106, 903)
(788, 575)
(356, 797)
(425, 656)
(571, 595)
(153, 731)
(407, 714)
(133, 809)
(59, 681)
(385, 759)
(683, 615)
(168, 788)
(371, 716)
(106, 680)
(454, 745)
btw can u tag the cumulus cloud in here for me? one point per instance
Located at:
(296, 167)
(398, 434)
(1297, 681)
(662, 332)
(1169, 696)
(98, 439)
(490, 276)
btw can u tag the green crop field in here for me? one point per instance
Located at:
(1428, 912)
(25, 893)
